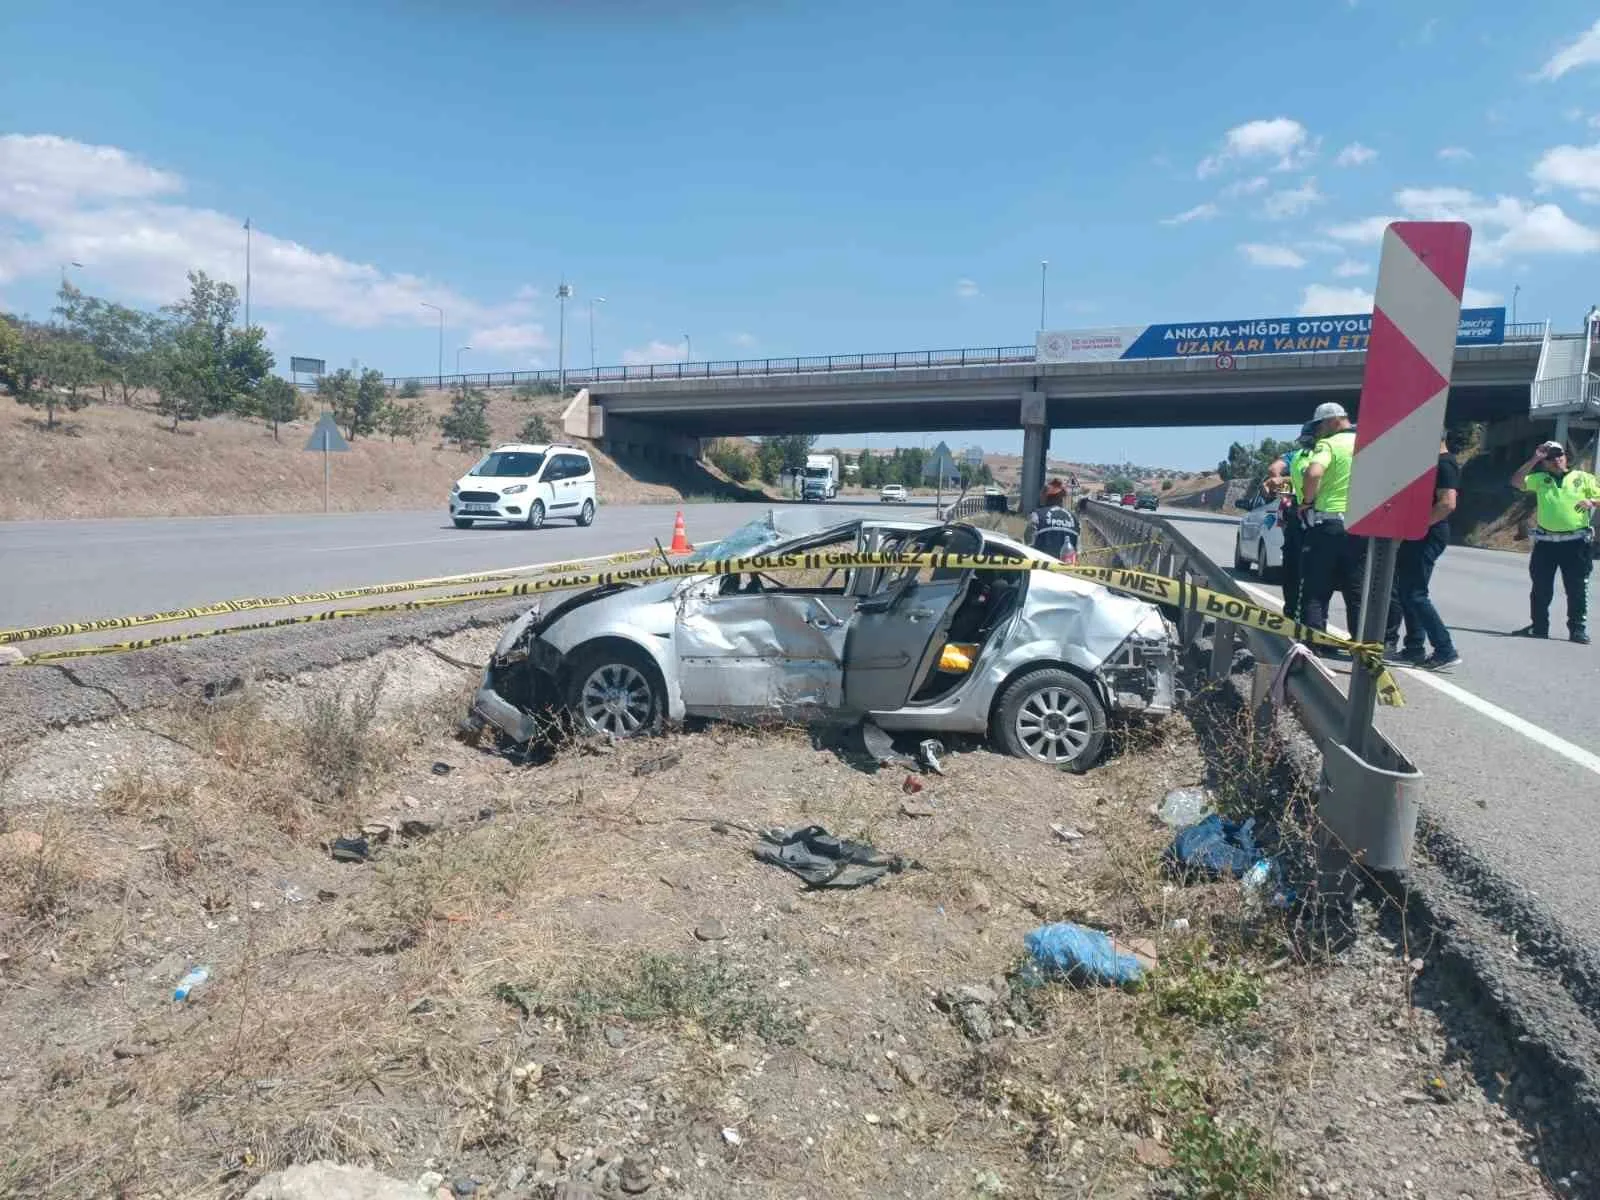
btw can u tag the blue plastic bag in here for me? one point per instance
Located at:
(1079, 955)
(1216, 846)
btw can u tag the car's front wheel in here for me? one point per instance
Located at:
(462, 522)
(1239, 561)
(586, 516)
(615, 691)
(1051, 716)
(535, 515)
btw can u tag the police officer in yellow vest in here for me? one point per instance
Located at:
(1567, 500)
(1289, 473)
(1334, 558)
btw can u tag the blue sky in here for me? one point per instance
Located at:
(785, 178)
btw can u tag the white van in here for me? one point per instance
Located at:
(526, 485)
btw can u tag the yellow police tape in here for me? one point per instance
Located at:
(257, 603)
(1156, 588)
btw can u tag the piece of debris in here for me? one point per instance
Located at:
(880, 746)
(327, 895)
(711, 930)
(731, 1136)
(970, 1008)
(193, 979)
(911, 808)
(441, 768)
(463, 1185)
(911, 785)
(320, 1180)
(411, 827)
(378, 831)
(486, 813)
(929, 752)
(822, 860)
(660, 763)
(350, 849)
(1216, 846)
(1079, 955)
(1063, 833)
(1184, 806)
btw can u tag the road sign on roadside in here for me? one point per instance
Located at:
(1407, 380)
(1225, 362)
(326, 437)
(306, 366)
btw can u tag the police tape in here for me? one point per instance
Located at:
(257, 603)
(1177, 593)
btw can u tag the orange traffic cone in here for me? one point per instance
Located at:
(680, 542)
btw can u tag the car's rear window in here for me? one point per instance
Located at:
(509, 462)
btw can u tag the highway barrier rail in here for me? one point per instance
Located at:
(1370, 805)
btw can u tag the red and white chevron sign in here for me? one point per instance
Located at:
(1407, 381)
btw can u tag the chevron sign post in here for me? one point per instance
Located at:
(1403, 393)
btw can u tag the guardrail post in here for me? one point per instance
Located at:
(1224, 637)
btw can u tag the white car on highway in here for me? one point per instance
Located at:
(1259, 542)
(892, 493)
(526, 485)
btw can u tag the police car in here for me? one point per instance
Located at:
(1259, 542)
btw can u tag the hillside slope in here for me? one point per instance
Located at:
(111, 461)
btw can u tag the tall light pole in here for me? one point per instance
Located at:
(563, 293)
(1514, 292)
(64, 267)
(440, 311)
(593, 300)
(459, 352)
(247, 272)
(688, 349)
(1044, 268)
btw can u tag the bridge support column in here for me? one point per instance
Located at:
(1035, 447)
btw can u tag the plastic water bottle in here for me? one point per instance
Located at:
(195, 977)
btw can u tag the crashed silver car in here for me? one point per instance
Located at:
(1037, 661)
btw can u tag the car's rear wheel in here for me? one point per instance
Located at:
(1269, 573)
(615, 691)
(586, 516)
(535, 515)
(1051, 716)
(462, 523)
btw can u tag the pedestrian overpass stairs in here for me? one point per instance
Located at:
(1563, 384)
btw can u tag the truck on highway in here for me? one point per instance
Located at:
(820, 480)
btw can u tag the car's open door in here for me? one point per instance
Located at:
(897, 633)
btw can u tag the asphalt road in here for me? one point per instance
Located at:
(1508, 741)
(54, 571)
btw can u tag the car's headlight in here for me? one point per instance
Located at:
(514, 489)
(454, 488)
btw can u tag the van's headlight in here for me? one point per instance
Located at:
(514, 489)
(454, 488)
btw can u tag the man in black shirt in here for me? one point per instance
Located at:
(1051, 527)
(1413, 570)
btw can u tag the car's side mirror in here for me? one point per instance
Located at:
(1243, 505)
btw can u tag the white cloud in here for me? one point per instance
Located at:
(1504, 226)
(1247, 187)
(744, 341)
(655, 352)
(1279, 138)
(966, 288)
(1200, 212)
(101, 206)
(1455, 154)
(1584, 51)
(1368, 230)
(1325, 300)
(1291, 202)
(1576, 168)
(1350, 268)
(1355, 155)
(1259, 255)
(1472, 297)
(509, 338)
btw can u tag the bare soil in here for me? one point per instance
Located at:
(111, 460)
(577, 973)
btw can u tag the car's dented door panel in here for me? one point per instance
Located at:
(890, 650)
(774, 654)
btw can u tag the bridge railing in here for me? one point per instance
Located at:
(1525, 331)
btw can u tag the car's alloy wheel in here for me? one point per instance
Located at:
(615, 693)
(536, 515)
(1053, 717)
(586, 517)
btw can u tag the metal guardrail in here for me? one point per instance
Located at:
(1567, 393)
(1525, 331)
(1369, 806)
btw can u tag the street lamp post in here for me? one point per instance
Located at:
(247, 272)
(64, 267)
(440, 311)
(593, 300)
(688, 350)
(459, 352)
(1044, 268)
(563, 293)
(1514, 292)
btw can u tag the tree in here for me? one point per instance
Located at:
(205, 365)
(467, 422)
(535, 429)
(44, 368)
(403, 420)
(732, 461)
(277, 400)
(411, 389)
(120, 337)
(355, 401)
(1166, 485)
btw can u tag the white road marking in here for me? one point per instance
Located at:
(1534, 733)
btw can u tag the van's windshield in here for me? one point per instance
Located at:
(509, 462)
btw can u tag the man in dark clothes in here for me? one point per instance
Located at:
(1051, 527)
(1413, 569)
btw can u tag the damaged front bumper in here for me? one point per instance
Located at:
(520, 682)
(1141, 675)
